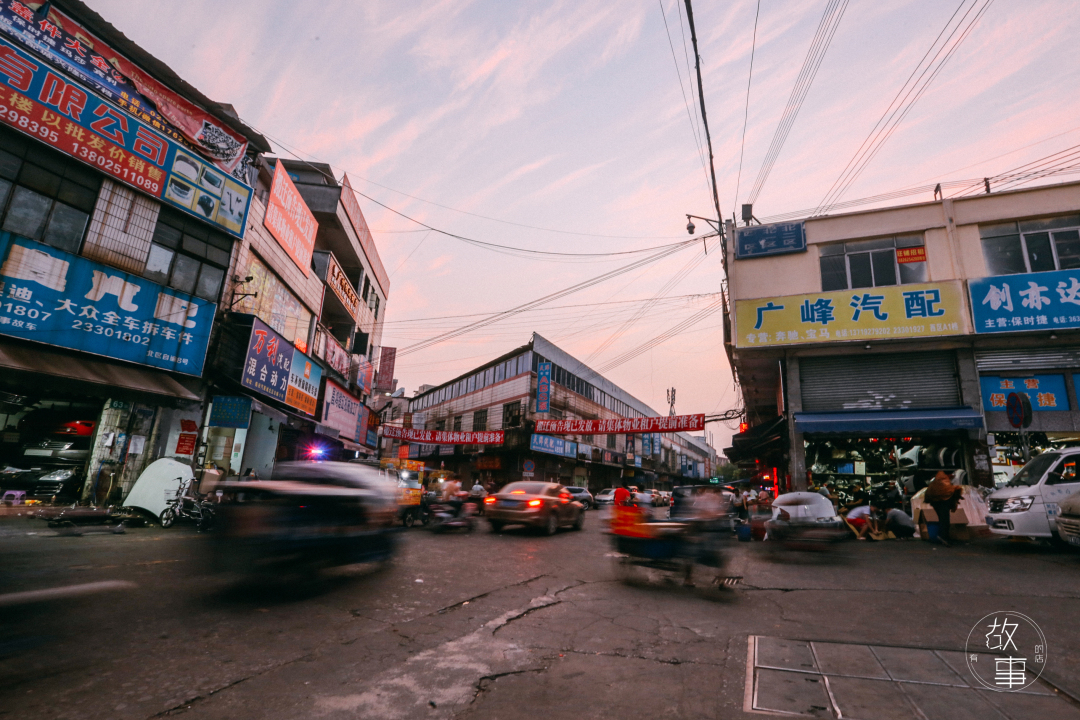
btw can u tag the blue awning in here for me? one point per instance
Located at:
(881, 421)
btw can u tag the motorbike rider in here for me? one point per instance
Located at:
(451, 493)
(477, 494)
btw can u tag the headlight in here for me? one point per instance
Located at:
(58, 475)
(1018, 504)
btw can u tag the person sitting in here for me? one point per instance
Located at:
(862, 519)
(899, 523)
(859, 498)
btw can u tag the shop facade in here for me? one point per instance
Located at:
(909, 328)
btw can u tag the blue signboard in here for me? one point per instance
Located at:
(553, 445)
(53, 297)
(1029, 301)
(230, 411)
(543, 387)
(776, 239)
(1046, 392)
(269, 358)
(646, 444)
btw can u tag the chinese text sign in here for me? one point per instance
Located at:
(881, 313)
(543, 387)
(1047, 393)
(53, 297)
(289, 220)
(1030, 301)
(776, 239)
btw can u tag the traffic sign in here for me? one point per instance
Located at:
(528, 466)
(1018, 408)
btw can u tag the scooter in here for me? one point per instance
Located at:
(442, 517)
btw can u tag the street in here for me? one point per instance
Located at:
(514, 625)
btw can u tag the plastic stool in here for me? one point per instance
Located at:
(13, 497)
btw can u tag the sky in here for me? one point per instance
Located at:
(568, 127)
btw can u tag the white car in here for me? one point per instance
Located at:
(1027, 506)
(799, 514)
(605, 497)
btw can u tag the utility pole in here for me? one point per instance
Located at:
(671, 402)
(705, 122)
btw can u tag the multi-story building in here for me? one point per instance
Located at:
(502, 394)
(142, 239)
(886, 343)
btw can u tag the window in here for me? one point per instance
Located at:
(1032, 245)
(440, 424)
(871, 263)
(367, 289)
(45, 196)
(611, 442)
(479, 420)
(457, 423)
(187, 256)
(512, 415)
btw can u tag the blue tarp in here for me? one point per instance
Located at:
(879, 421)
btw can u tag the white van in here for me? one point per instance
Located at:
(1027, 506)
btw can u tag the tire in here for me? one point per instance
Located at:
(586, 505)
(551, 524)
(579, 523)
(408, 519)
(496, 526)
(167, 517)
(206, 522)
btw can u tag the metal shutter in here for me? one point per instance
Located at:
(1025, 360)
(879, 382)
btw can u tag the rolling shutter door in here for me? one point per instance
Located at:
(991, 361)
(879, 382)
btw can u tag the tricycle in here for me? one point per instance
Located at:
(674, 547)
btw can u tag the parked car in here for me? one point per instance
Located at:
(804, 516)
(605, 497)
(1027, 505)
(650, 498)
(66, 443)
(582, 495)
(543, 505)
(1068, 520)
(62, 484)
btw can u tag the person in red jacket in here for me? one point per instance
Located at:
(623, 496)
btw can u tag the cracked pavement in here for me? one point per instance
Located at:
(484, 626)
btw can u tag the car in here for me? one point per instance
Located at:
(648, 497)
(62, 484)
(1068, 520)
(582, 495)
(1027, 506)
(65, 444)
(605, 497)
(804, 517)
(543, 505)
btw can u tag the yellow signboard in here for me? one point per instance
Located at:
(881, 313)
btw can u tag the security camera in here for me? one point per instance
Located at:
(690, 226)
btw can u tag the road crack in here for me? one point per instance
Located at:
(455, 606)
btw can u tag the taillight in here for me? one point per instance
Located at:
(489, 500)
(536, 503)
(565, 497)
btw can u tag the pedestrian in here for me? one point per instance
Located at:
(623, 496)
(944, 497)
(862, 519)
(899, 523)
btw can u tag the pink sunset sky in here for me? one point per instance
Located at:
(481, 118)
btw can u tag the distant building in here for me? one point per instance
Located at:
(501, 395)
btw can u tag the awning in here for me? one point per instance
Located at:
(758, 441)
(85, 369)
(883, 421)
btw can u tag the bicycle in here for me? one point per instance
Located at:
(187, 506)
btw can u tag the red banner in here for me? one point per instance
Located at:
(670, 423)
(289, 220)
(443, 437)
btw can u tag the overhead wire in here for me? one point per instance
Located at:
(682, 89)
(296, 153)
(830, 21)
(746, 111)
(906, 97)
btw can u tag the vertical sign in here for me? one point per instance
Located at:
(289, 220)
(367, 242)
(543, 387)
(385, 379)
(304, 377)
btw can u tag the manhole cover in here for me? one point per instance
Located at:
(872, 682)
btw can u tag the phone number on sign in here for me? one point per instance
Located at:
(95, 158)
(14, 117)
(109, 331)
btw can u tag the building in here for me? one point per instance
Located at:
(146, 245)
(885, 344)
(502, 395)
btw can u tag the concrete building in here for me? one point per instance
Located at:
(884, 344)
(501, 395)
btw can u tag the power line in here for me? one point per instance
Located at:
(296, 153)
(746, 112)
(682, 89)
(830, 21)
(906, 97)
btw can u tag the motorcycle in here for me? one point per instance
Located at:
(443, 517)
(190, 505)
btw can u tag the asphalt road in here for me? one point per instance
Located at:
(514, 625)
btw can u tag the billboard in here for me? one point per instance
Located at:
(56, 298)
(341, 410)
(881, 313)
(53, 109)
(1027, 301)
(342, 287)
(72, 48)
(764, 240)
(384, 379)
(443, 437)
(289, 220)
(552, 445)
(1047, 393)
(360, 226)
(278, 370)
(543, 387)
